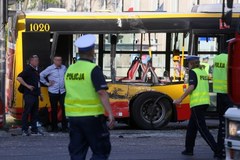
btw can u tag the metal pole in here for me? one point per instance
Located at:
(113, 57)
(223, 13)
(105, 4)
(75, 6)
(100, 50)
(122, 5)
(90, 6)
(43, 5)
(168, 52)
(134, 36)
(25, 4)
(2, 67)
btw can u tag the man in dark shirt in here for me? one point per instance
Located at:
(30, 79)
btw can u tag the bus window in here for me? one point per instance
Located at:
(177, 41)
(158, 62)
(132, 42)
(179, 46)
(129, 46)
(207, 44)
(124, 61)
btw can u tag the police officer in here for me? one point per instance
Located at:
(205, 63)
(223, 101)
(199, 101)
(85, 102)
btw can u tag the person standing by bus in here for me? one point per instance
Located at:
(53, 77)
(85, 102)
(30, 80)
(223, 101)
(198, 91)
(205, 63)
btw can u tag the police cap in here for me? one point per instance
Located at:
(205, 57)
(85, 42)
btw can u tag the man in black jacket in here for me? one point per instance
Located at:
(30, 79)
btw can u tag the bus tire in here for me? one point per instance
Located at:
(143, 106)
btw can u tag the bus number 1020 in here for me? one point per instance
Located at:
(39, 27)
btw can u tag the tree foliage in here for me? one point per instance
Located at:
(34, 3)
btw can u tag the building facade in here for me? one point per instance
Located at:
(135, 5)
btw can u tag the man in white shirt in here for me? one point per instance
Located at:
(53, 77)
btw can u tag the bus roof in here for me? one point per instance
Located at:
(125, 22)
(114, 15)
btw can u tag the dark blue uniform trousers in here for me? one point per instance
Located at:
(30, 108)
(88, 132)
(197, 123)
(223, 103)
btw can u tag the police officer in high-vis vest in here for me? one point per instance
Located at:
(205, 63)
(85, 104)
(198, 91)
(223, 101)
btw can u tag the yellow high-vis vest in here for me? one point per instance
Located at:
(200, 95)
(81, 97)
(220, 73)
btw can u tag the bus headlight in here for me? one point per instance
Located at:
(234, 129)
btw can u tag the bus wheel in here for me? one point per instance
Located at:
(151, 110)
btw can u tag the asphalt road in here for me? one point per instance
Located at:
(127, 144)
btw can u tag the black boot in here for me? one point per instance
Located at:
(187, 153)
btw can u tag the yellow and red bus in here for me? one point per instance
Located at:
(136, 51)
